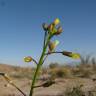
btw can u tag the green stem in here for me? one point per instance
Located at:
(53, 52)
(44, 39)
(38, 67)
(34, 61)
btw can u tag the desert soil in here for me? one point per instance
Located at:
(54, 90)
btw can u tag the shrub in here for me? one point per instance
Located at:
(75, 91)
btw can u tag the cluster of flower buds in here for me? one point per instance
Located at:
(52, 28)
(71, 54)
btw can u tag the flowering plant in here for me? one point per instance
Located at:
(51, 30)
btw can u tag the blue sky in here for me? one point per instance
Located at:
(21, 32)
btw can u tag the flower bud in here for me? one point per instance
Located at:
(28, 59)
(56, 42)
(59, 31)
(50, 27)
(52, 45)
(72, 55)
(45, 26)
(56, 21)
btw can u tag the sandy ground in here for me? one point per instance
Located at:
(54, 90)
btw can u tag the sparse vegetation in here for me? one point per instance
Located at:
(75, 91)
(70, 77)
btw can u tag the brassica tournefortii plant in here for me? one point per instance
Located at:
(49, 47)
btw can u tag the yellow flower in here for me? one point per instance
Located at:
(72, 55)
(75, 55)
(28, 59)
(56, 21)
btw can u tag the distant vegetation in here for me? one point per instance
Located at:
(86, 68)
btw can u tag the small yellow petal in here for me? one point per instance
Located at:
(75, 55)
(28, 59)
(56, 21)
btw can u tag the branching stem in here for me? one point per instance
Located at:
(39, 65)
(34, 61)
